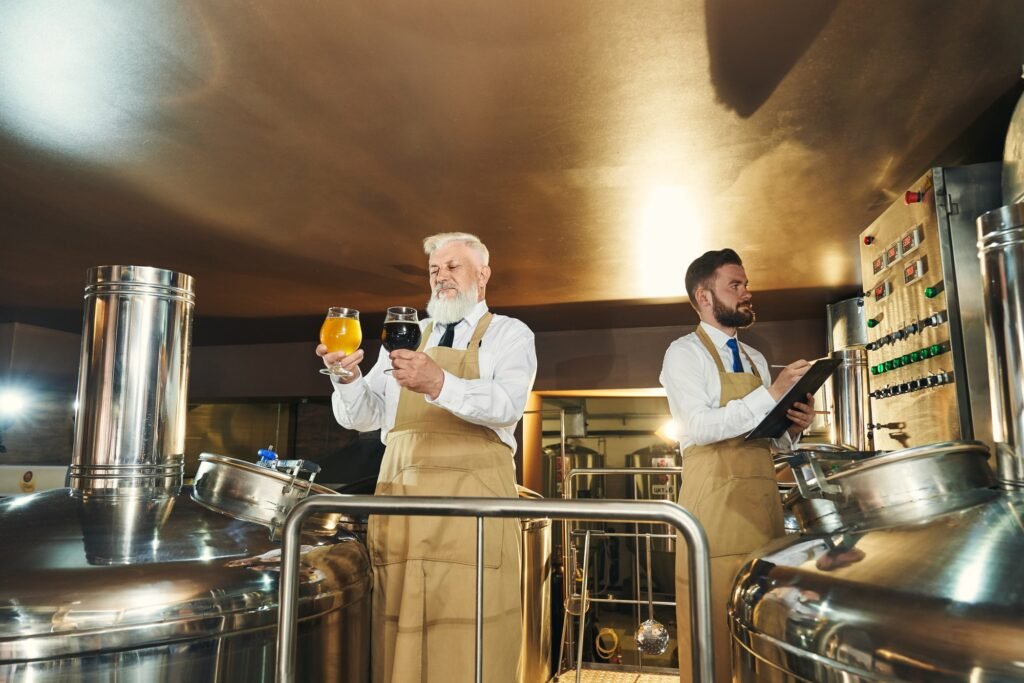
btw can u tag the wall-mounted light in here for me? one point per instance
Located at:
(13, 402)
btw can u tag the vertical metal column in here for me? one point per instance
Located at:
(1001, 250)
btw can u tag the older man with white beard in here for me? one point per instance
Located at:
(447, 413)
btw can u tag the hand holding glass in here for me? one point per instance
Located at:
(341, 332)
(401, 330)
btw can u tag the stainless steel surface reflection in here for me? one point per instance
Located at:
(133, 377)
(535, 664)
(161, 589)
(920, 583)
(934, 601)
(849, 392)
(1001, 250)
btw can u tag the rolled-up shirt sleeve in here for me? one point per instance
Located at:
(498, 398)
(694, 390)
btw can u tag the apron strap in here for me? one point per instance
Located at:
(715, 356)
(478, 333)
(425, 336)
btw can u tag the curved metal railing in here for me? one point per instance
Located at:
(607, 510)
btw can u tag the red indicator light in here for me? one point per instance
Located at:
(911, 197)
(868, 239)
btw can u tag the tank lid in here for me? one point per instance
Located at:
(908, 455)
(144, 279)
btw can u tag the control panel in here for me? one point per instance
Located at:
(912, 383)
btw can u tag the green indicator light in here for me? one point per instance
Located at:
(872, 322)
(914, 356)
(905, 359)
(880, 368)
(888, 365)
(931, 292)
(874, 369)
(925, 353)
(935, 349)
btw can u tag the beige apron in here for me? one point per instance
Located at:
(424, 568)
(730, 487)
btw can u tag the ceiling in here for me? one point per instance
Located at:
(291, 155)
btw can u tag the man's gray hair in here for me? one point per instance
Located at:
(435, 242)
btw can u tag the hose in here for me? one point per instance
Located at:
(603, 652)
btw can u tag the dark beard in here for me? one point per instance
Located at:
(731, 317)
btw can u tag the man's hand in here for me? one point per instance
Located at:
(417, 372)
(802, 414)
(787, 378)
(348, 361)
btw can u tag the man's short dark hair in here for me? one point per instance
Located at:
(702, 270)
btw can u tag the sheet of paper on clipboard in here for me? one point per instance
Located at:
(775, 423)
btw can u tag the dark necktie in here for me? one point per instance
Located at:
(737, 364)
(449, 335)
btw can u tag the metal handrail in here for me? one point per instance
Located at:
(623, 511)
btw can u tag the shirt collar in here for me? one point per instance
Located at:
(718, 338)
(473, 317)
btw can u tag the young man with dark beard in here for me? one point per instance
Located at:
(718, 390)
(447, 414)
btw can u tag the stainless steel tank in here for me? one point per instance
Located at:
(919, 581)
(557, 464)
(123, 576)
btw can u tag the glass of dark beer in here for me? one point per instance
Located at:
(401, 330)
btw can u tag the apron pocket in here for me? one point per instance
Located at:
(394, 538)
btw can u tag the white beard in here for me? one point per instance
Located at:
(451, 310)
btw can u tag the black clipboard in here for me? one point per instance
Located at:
(775, 423)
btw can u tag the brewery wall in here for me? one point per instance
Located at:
(614, 358)
(237, 392)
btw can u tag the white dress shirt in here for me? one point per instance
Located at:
(690, 378)
(508, 366)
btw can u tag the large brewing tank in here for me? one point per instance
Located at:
(919, 581)
(575, 457)
(123, 576)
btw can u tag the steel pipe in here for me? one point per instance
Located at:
(607, 510)
(1001, 250)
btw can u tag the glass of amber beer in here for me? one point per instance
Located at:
(341, 332)
(401, 330)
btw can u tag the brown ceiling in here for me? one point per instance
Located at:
(291, 154)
